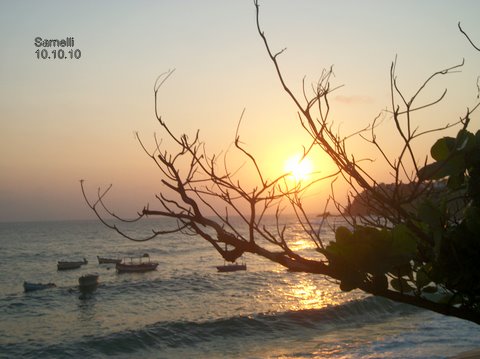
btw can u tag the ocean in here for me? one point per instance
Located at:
(186, 309)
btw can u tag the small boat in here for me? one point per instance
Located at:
(136, 264)
(30, 287)
(88, 281)
(64, 265)
(232, 267)
(104, 260)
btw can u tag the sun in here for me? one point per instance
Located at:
(299, 169)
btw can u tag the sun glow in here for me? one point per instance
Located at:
(299, 169)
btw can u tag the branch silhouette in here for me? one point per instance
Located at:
(393, 248)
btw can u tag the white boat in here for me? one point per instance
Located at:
(64, 265)
(105, 260)
(136, 264)
(232, 267)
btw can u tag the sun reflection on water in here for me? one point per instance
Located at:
(299, 291)
(305, 293)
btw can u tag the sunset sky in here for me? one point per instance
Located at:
(66, 120)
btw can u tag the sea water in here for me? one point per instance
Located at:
(186, 309)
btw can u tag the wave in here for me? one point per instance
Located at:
(164, 336)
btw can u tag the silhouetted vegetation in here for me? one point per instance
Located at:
(415, 240)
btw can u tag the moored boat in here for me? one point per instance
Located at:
(105, 260)
(136, 264)
(88, 283)
(64, 265)
(30, 287)
(88, 279)
(232, 267)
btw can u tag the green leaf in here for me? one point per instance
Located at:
(456, 181)
(422, 279)
(351, 282)
(403, 270)
(455, 165)
(477, 138)
(380, 282)
(343, 235)
(430, 171)
(403, 242)
(442, 148)
(465, 141)
(430, 289)
(430, 213)
(401, 285)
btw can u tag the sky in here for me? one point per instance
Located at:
(71, 119)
